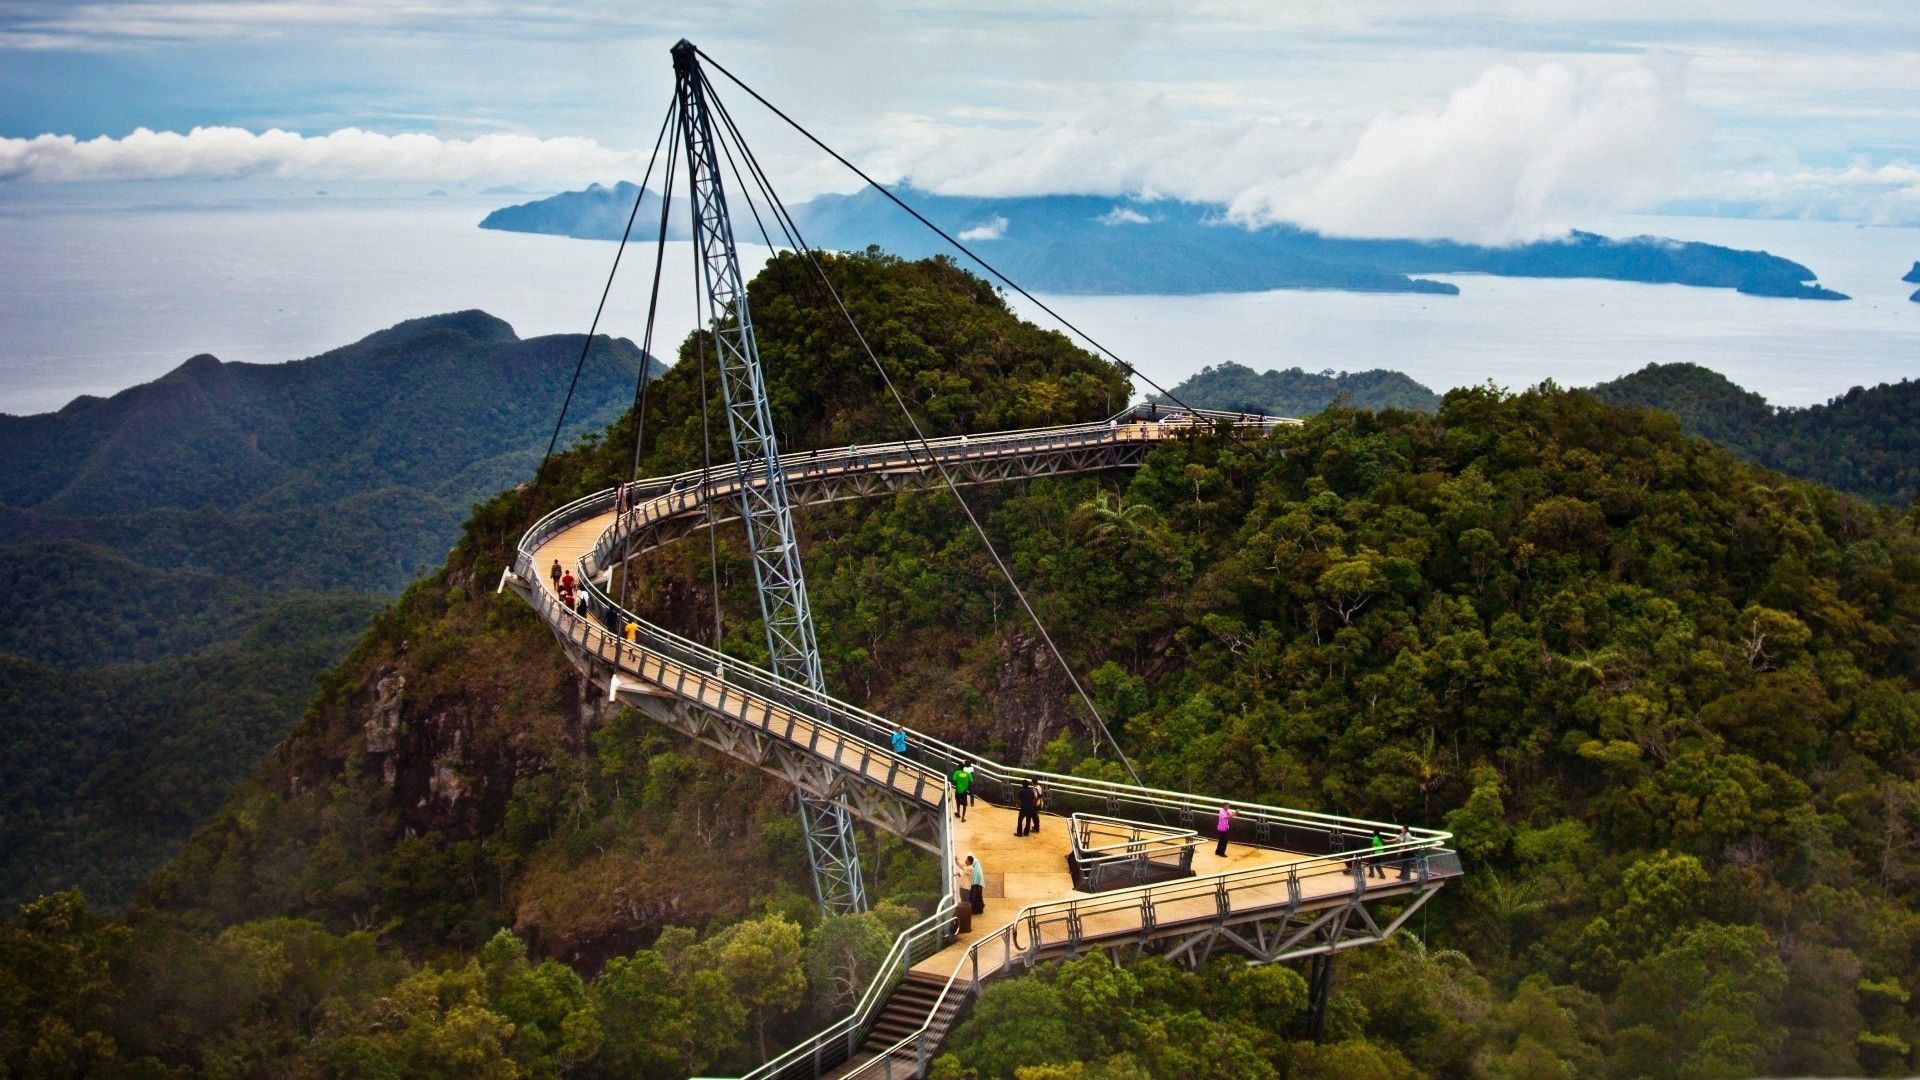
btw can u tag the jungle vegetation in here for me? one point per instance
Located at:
(1665, 699)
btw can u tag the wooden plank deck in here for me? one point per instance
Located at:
(1033, 870)
(845, 751)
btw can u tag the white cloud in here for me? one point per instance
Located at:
(1513, 156)
(224, 153)
(1117, 144)
(1882, 194)
(987, 230)
(1510, 154)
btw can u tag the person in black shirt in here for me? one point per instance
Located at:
(1029, 810)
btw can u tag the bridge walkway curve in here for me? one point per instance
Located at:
(1293, 883)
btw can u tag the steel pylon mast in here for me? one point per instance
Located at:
(764, 507)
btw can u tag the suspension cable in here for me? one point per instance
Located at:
(920, 436)
(646, 341)
(746, 192)
(653, 301)
(587, 345)
(948, 237)
(700, 324)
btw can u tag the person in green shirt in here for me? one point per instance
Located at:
(1375, 867)
(962, 790)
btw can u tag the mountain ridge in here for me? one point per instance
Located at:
(235, 522)
(1864, 442)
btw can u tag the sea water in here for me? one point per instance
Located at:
(1517, 332)
(102, 288)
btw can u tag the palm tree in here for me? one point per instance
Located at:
(1109, 522)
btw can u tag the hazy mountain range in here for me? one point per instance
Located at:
(180, 561)
(1101, 245)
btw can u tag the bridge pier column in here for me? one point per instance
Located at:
(833, 855)
(1319, 989)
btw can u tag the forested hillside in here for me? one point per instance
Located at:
(1295, 392)
(1666, 701)
(179, 563)
(1866, 441)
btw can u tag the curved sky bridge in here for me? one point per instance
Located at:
(1293, 885)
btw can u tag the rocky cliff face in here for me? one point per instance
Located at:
(457, 774)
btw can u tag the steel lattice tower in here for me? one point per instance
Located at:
(764, 507)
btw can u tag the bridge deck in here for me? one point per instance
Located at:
(701, 688)
(1023, 870)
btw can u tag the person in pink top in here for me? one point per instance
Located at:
(1220, 828)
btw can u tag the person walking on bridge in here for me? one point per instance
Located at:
(555, 573)
(900, 740)
(1221, 826)
(1375, 865)
(962, 792)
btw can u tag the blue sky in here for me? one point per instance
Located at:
(1480, 120)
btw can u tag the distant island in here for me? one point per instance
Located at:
(1913, 276)
(598, 213)
(1086, 244)
(1297, 392)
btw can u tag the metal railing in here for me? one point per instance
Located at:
(698, 486)
(1002, 949)
(1109, 853)
(804, 717)
(840, 1040)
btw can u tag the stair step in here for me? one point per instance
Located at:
(893, 1032)
(909, 1008)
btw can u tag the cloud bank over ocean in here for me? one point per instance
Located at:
(1515, 154)
(231, 153)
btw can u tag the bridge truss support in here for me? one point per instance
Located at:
(764, 506)
(1295, 931)
(1314, 933)
(817, 781)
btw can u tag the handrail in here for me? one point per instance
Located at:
(1009, 936)
(928, 761)
(1132, 844)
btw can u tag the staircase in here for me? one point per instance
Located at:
(906, 1009)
